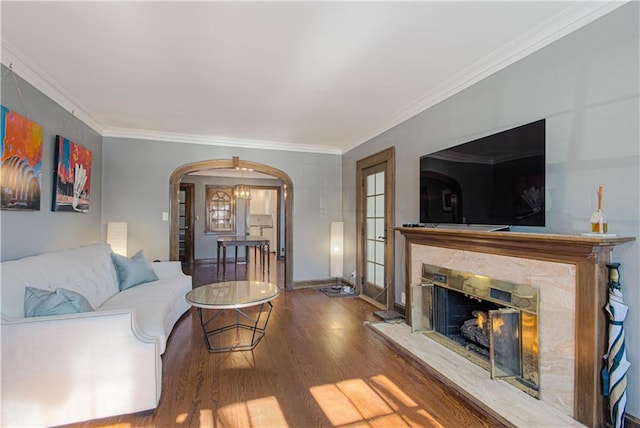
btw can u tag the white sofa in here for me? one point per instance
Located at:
(69, 368)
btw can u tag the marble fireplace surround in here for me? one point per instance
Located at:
(570, 272)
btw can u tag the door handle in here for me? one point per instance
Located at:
(383, 238)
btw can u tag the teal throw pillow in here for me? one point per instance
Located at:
(38, 303)
(132, 271)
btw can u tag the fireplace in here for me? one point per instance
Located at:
(570, 273)
(490, 322)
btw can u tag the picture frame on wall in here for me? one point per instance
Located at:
(21, 166)
(72, 177)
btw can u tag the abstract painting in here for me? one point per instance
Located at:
(72, 181)
(21, 168)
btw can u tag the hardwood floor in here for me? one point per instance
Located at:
(318, 365)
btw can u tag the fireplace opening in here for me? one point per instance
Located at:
(490, 322)
(463, 319)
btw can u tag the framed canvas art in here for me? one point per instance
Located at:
(21, 168)
(72, 180)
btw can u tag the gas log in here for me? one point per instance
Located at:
(476, 329)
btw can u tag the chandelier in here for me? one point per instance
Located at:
(242, 191)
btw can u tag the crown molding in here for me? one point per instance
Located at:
(13, 59)
(560, 25)
(218, 141)
(564, 23)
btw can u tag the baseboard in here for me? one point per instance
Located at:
(215, 261)
(631, 421)
(315, 283)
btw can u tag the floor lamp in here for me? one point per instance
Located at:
(336, 250)
(117, 237)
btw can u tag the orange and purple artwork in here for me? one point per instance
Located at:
(21, 167)
(73, 176)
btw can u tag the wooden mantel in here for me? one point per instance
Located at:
(589, 254)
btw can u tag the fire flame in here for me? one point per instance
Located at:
(481, 320)
(498, 322)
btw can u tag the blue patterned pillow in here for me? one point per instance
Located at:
(38, 303)
(132, 271)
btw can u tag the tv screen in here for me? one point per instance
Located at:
(494, 180)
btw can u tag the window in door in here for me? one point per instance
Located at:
(376, 235)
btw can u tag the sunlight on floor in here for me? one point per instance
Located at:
(262, 412)
(335, 405)
(391, 392)
(206, 418)
(380, 402)
(349, 403)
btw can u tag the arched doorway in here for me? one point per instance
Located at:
(174, 201)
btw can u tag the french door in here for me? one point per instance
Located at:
(374, 228)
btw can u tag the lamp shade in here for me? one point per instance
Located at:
(336, 250)
(117, 237)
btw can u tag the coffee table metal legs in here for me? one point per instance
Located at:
(256, 325)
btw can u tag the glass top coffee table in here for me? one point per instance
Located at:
(239, 296)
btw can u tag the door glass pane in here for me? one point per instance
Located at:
(371, 271)
(379, 206)
(371, 206)
(371, 185)
(371, 228)
(380, 252)
(379, 275)
(379, 229)
(380, 183)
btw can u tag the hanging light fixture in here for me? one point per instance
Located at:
(241, 191)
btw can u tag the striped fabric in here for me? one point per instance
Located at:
(617, 364)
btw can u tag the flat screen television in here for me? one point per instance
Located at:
(495, 180)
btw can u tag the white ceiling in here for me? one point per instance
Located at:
(305, 76)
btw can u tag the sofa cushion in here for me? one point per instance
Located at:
(61, 301)
(87, 270)
(133, 271)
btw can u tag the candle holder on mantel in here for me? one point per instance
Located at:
(598, 220)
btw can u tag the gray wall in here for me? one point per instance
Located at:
(586, 86)
(205, 244)
(31, 232)
(136, 190)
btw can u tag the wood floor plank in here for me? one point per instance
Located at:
(318, 365)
